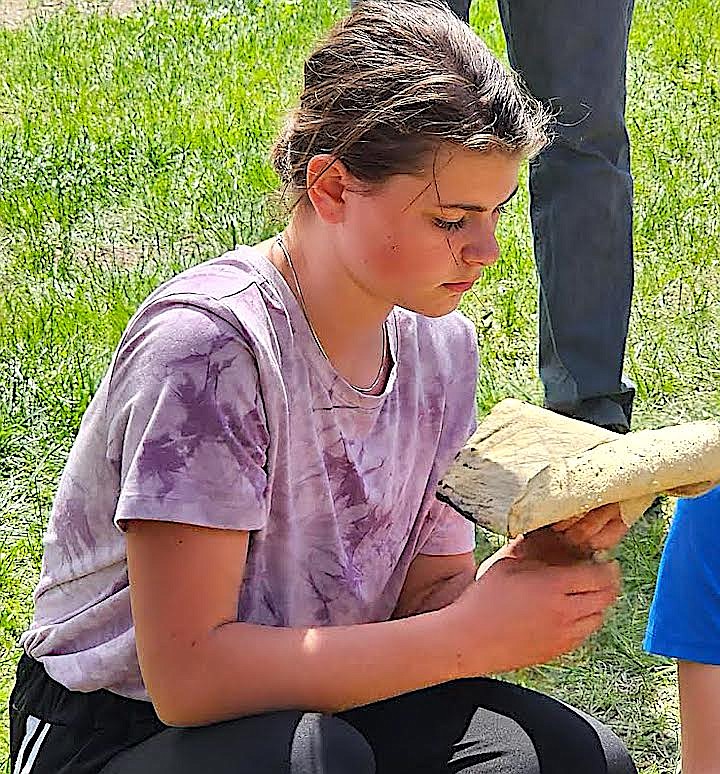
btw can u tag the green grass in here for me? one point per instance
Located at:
(132, 147)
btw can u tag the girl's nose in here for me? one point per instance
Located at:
(482, 249)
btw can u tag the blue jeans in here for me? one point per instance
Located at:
(572, 55)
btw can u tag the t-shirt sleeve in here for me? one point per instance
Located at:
(188, 431)
(451, 533)
(684, 618)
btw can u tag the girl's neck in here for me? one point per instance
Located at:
(347, 319)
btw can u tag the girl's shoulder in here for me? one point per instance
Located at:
(236, 280)
(234, 291)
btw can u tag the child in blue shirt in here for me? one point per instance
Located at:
(684, 624)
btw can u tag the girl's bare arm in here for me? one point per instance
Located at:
(201, 666)
(699, 686)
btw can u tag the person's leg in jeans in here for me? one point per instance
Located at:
(572, 56)
(460, 8)
(484, 726)
(277, 743)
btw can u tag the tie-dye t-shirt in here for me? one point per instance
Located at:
(219, 410)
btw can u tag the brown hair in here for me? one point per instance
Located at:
(393, 81)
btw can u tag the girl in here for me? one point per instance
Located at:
(246, 569)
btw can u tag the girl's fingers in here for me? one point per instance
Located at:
(585, 577)
(562, 526)
(591, 520)
(592, 602)
(584, 627)
(609, 536)
(593, 523)
(584, 530)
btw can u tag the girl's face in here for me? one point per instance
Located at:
(420, 241)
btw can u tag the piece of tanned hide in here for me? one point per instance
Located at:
(526, 467)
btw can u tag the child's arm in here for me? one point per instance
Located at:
(202, 666)
(699, 686)
(433, 582)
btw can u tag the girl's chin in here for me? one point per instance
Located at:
(434, 308)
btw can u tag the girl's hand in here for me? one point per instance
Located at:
(596, 530)
(548, 546)
(522, 611)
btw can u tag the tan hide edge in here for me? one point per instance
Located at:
(632, 510)
(630, 470)
(513, 443)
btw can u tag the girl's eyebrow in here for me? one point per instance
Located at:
(476, 207)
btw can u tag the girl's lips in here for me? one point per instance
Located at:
(458, 287)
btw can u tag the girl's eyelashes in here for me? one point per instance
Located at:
(455, 225)
(450, 225)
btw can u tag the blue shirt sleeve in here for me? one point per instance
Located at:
(684, 621)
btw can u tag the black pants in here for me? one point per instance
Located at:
(468, 726)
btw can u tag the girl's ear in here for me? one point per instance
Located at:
(327, 183)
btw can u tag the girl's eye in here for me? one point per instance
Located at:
(450, 225)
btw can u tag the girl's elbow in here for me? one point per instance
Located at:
(170, 717)
(175, 709)
(176, 697)
(187, 703)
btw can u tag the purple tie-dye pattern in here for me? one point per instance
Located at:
(119, 585)
(373, 524)
(226, 419)
(347, 483)
(161, 457)
(252, 427)
(167, 457)
(331, 578)
(350, 492)
(340, 568)
(202, 420)
(270, 604)
(71, 525)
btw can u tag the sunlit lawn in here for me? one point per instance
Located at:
(133, 146)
